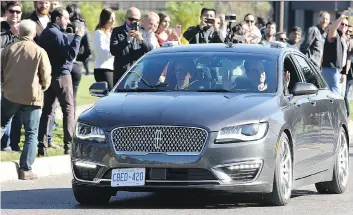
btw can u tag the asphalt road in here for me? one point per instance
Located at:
(53, 195)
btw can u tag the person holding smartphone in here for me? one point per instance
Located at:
(127, 44)
(206, 31)
(162, 31)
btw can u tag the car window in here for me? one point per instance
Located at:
(310, 75)
(195, 71)
(289, 66)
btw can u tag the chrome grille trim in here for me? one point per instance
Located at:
(189, 145)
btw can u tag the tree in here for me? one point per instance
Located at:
(91, 12)
(186, 14)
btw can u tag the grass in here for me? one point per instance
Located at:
(58, 140)
(83, 96)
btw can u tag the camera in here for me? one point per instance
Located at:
(231, 18)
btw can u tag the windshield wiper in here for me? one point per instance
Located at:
(215, 90)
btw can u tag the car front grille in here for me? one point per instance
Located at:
(159, 139)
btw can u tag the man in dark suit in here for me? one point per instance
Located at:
(127, 44)
(40, 16)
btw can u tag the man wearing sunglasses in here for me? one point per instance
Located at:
(313, 44)
(335, 53)
(127, 44)
(10, 27)
(281, 37)
(347, 70)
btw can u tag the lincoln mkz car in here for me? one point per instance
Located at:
(231, 118)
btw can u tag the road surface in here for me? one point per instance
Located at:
(53, 195)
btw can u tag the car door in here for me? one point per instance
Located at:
(308, 147)
(327, 106)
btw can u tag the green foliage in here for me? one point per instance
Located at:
(27, 8)
(186, 14)
(91, 12)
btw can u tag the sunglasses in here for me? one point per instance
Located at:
(249, 21)
(344, 24)
(282, 39)
(15, 11)
(132, 19)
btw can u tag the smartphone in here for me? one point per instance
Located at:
(178, 30)
(210, 21)
(134, 26)
(80, 25)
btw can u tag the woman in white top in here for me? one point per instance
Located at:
(104, 61)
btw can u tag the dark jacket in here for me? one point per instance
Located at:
(333, 52)
(85, 46)
(126, 53)
(313, 45)
(39, 26)
(6, 35)
(61, 53)
(196, 35)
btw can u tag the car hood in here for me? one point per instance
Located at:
(208, 110)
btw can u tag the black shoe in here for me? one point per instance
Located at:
(16, 148)
(67, 149)
(42, 151)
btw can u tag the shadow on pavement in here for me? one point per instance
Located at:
(63, 199)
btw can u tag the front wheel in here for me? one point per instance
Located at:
(283, 177)
(340, 170)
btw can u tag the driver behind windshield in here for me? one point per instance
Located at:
(183, 73)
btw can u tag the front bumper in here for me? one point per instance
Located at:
(235, 167)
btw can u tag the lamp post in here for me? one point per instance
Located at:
(281, 16)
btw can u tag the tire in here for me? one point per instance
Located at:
(283, 173)
(86, 195)
(339, 180)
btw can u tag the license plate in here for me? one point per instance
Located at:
(128, 177)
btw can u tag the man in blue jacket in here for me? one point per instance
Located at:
(61, 54)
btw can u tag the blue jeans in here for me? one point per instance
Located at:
(5, 139)
(31, 119)
(332, 77)
(348, 86)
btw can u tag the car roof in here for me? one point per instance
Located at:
(221, 47)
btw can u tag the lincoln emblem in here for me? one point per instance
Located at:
(157, 141)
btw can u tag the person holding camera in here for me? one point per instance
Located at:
(61, 54)
(127, 44)
(206, 31)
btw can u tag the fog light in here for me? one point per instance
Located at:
(85, 164)
(242, 171)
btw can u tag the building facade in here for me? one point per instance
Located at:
(304, 13)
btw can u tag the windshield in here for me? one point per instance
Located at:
(194, 71)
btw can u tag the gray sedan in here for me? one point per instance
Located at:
(241, 118)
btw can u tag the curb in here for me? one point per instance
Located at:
(47, 166)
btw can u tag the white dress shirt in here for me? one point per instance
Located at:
(101, 47)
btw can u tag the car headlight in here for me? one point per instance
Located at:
(242, 133)
(89, 132)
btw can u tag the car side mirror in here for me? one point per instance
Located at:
(302, 88)
(99, 89)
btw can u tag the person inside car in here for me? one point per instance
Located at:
(184, 73)
(255, 79)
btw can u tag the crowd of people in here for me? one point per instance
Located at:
(44, 54)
